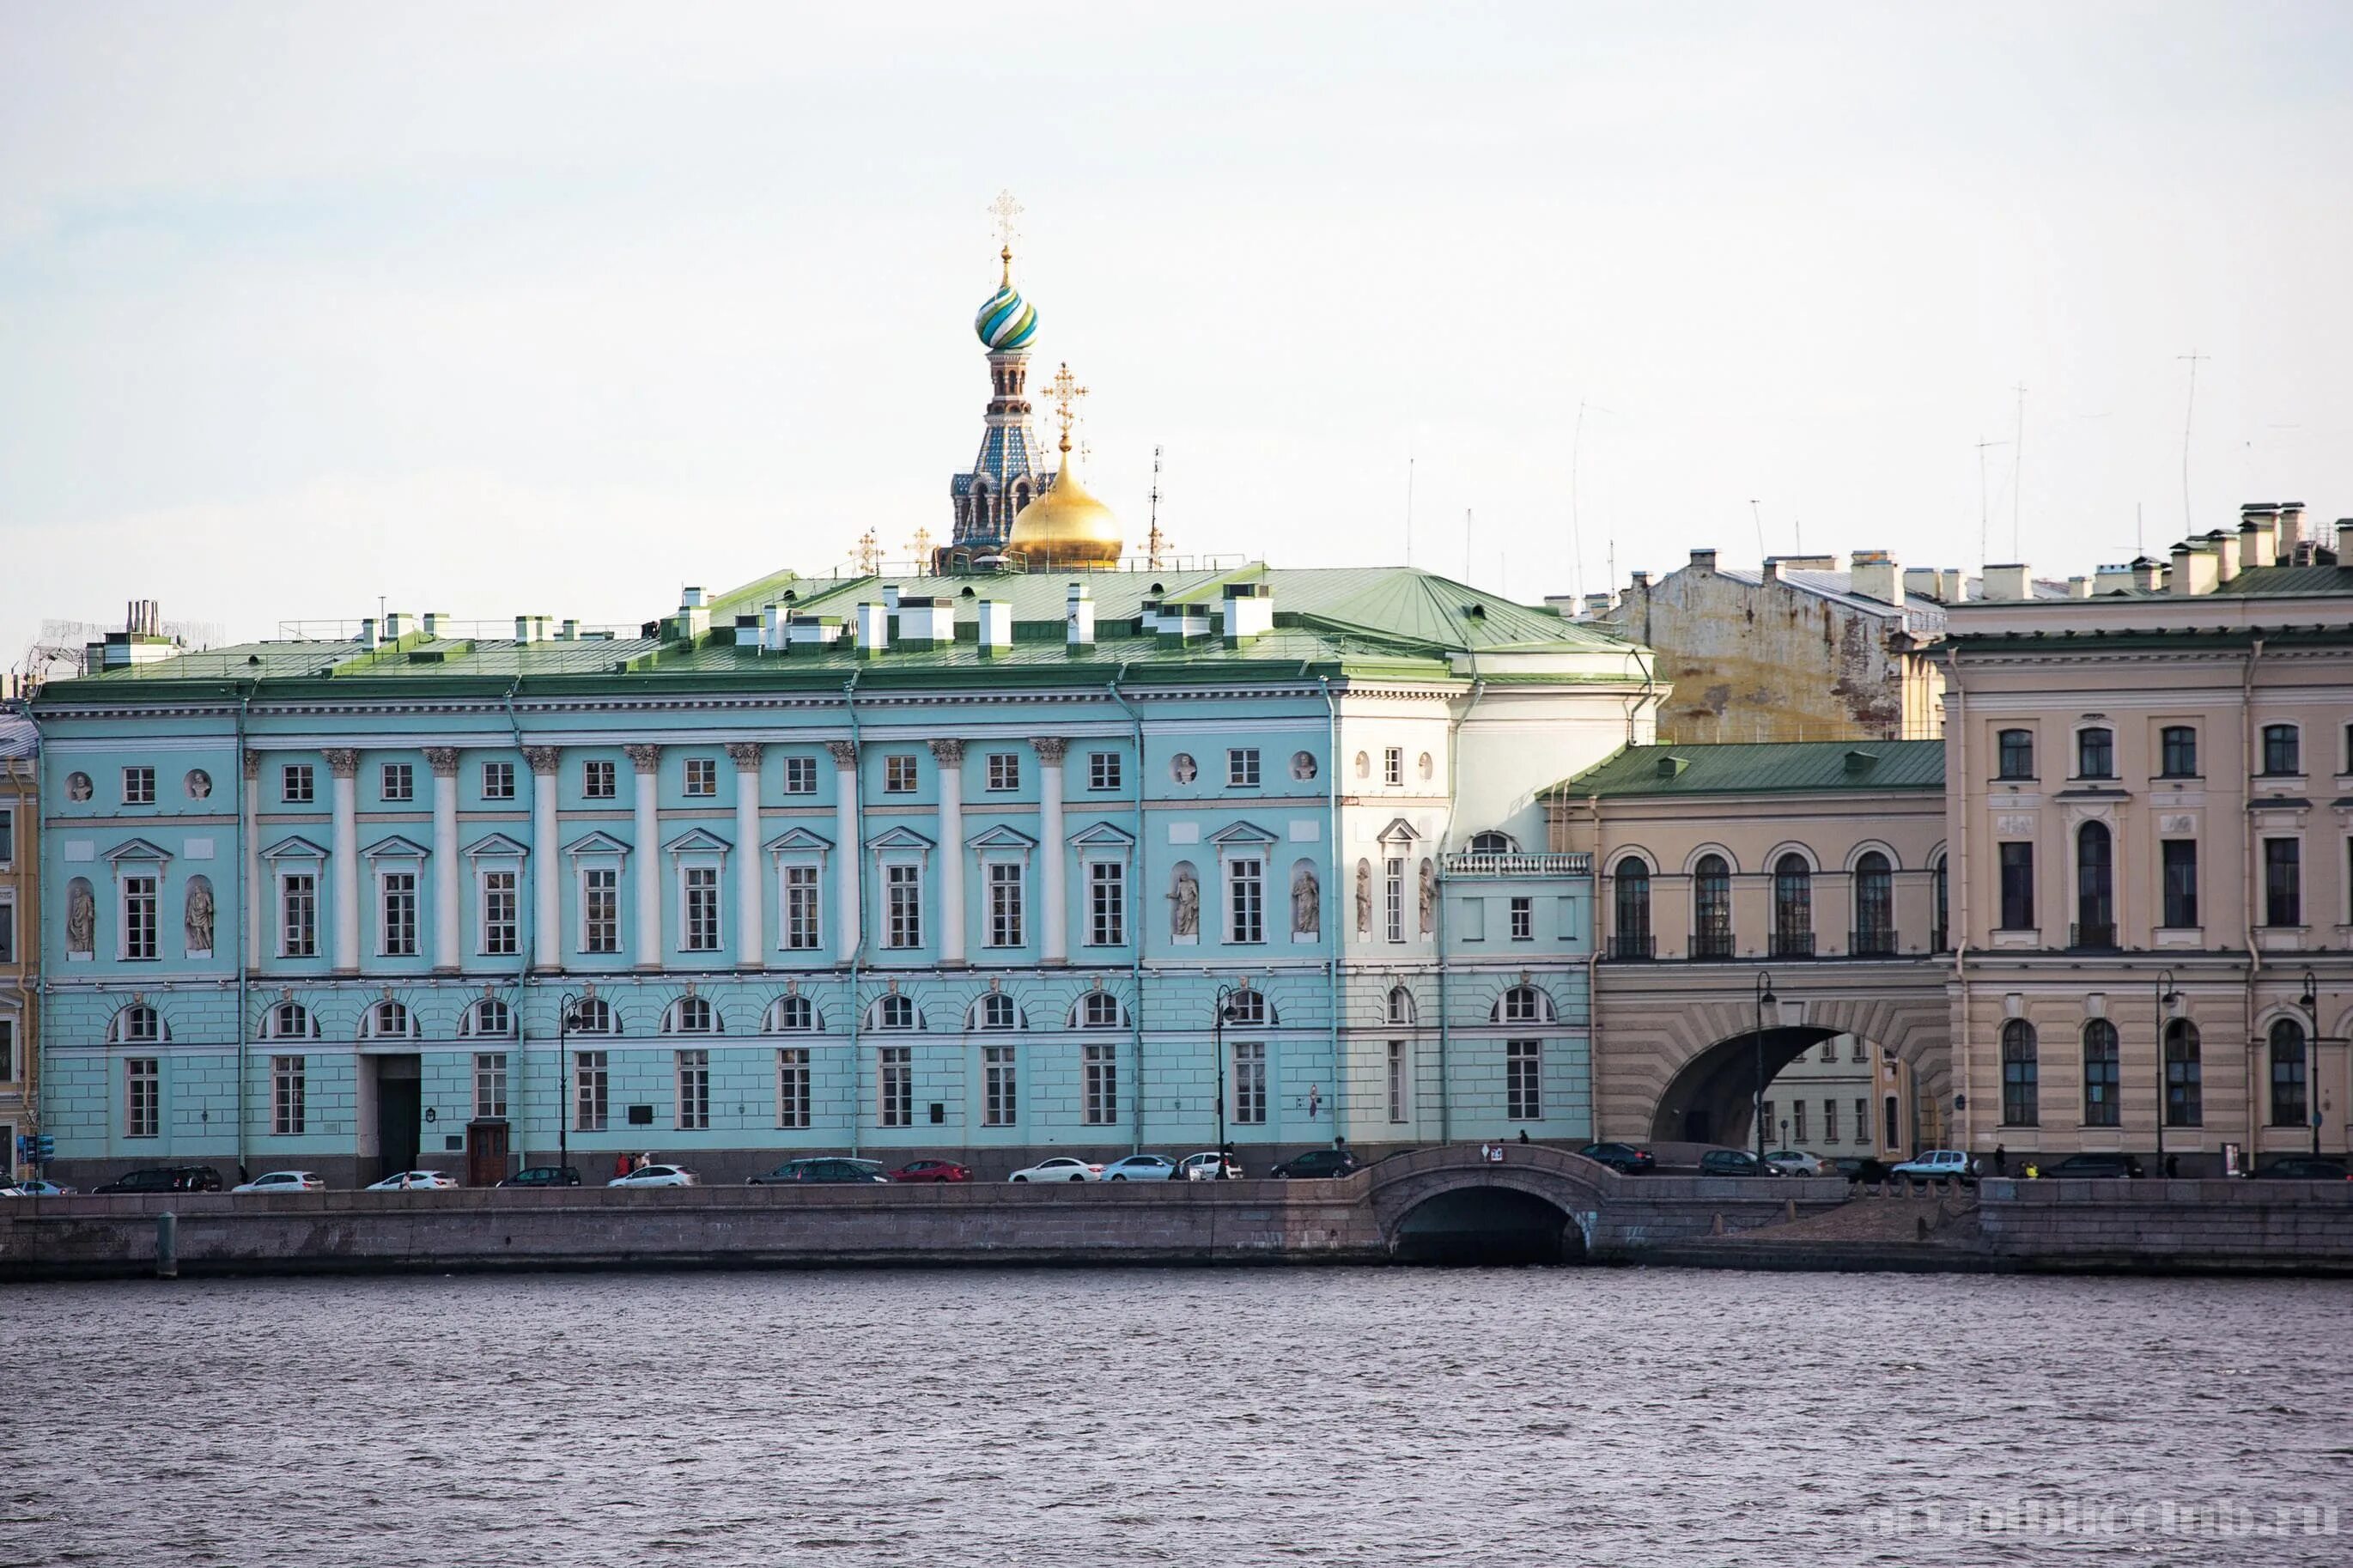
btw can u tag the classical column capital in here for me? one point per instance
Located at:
(845, 753)
(1050, 749)
(252, 764)
(644, 758)
(343, 762)
(745, 754)
(543, 759)
(443, 761)
(947, 753)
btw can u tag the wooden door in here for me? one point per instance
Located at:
(486, 1153)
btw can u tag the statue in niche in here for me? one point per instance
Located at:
(1185, 900)
(200, 785)
(1181, 769)
(199, 918)
(82, 918)
(1364, 899)
(1428, 895)
(1306, 902)
(77, 786)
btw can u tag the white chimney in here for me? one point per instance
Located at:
(2291, 527)
(1877, 576)
(1949, 590)
(2225, 546)
(430, 623)
(2193, 571)
(395, 624)
(2344, 541)
(1246, 611)
(691, 599)
(2115, 579)
(367, 633)
(1079, 617)
(772, 626)
(748, 632)
(569, 631)
(2079, 587)
(813, 631)
(927, 622)
(891, 596)
(995, 625)
(2008, 583)
(2147, 575)
(522, 628)
(2258, 536)
(873, 628)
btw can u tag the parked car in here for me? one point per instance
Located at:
(656, 1176)
(1319, 1162)
(1794, 1163)
(2306, 1168)
(1205, 1167)
(282, 1182)
(1858, 1168)
(412, 1182)
(1061, 1168)
(1140, 1168)
(821, 1170)
(1938, 1165)
(2110, 1165)
(931, 1170)
(1623, 1158)
(544, 1176)
(1735, 1162)
(164, 1179)
(34, 1187)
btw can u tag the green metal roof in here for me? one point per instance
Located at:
(1764, 767)
(2265, 582)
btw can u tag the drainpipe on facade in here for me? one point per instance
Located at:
(244, 932)
(1959, 855)
(1331, 962)
(526, 926)
(1135, 970)
(1593, 978)
(2247, 910)
(1454, 752)
(857, 937)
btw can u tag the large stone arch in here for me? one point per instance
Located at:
(1570, 1186)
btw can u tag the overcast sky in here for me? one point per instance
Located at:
(489, 308)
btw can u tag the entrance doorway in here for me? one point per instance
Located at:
(486, 1153)
(399, 1111)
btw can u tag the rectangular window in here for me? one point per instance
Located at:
(498, 781)
(296, 785)
(701, 777)
(700, 917)
(2015, 749)
(1242, 767)
(2095, 754)
(591, 1084)
(1474, 920)
(1863, 1118)
(694, 1091)
(801, 929)
(398, 781)
(2282, 882)
(1106, 905)
(1250, 1082)
(2282, 748)
(599, 781)
(1246, 900)
(500, 906)
(7, 937)
(1100, 1064)
(139, 786)
(792, 1087)
(895, 1080)
(1004, 904)
(1004, 770)
(140, 935)
(1000, 1101)
(800, 775)
(1524, 920)
(396, 922)
(1103, 770)
(899, 773)
(288, 1114)
(297, 915)
(2178, 752)
(600, 909)
(1393, 765)
(1798, 1125)
(491, 1085)
(2180, 857)
(1523, 1080)
(8, 834)
(2018, 887)
(902, 888)
(143, 1105)
(1393, 898)
(1829, 1122)
(1397, 1081)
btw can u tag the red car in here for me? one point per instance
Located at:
(931, 1170)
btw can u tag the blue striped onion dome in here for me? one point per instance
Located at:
(1007, 322)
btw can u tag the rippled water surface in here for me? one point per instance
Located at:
(1535, 1416)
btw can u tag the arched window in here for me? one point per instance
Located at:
(995, 1011)
(592, 1016)
(1493, 843)
(2185, 1104)
(1247, 1006)
(488, 1018)
(2096, 885)
(1941, 939)
(2282, 748)
(290, 1021)
(2289, 1075)
(1523, 1005)
(1712, 908)
(791, 1015)
(387, 1020)
(2101, 1074)
(138, 1025)
(1793, 907)
(1631, 938)
(690, 1016)
(2095, 754)
(2021, 1071)
(1401, 1008)
(894, 1011)
(1098, 1010)
(1874, 905)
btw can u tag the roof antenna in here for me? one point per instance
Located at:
(1154, 543)
(1575, 537)
(2188, 522)
(1983, 500)
(1408, 506)
(1758, 517)
(2017, 470)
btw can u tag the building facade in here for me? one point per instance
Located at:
(20, 924)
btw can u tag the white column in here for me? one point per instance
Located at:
(750, 951)
(852, 855)
(646, 760)
(443, 761)
(547, 903)
(254, 905)
(344, 765)
(949, 755)
(1055, 945)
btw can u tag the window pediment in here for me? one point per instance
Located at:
(496, 847)
(294, 847)
(797, 841)
(393, 848)
(597, 843)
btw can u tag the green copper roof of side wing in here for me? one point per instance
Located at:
(1765, 767)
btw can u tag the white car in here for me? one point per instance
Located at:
(1061, 1168)
(287, 1182)
(658, 1177)
(1141, 1168)
(1203, 1167)
(411, 1181)
(1937, 1165)
(1794, 1163)
(34, 1187)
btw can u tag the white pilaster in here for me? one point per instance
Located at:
(750, 950)
(254, 904)
(647, 759)
(1054, 945)
(443, 761)
(852, 854)
(547, 906)
(949, 756)
(344, 765)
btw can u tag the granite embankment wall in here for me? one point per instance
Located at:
(2167, 1226)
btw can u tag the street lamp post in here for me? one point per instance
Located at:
(2166, 996)
(2311, 1004)
(1765, 998)
(567, 1015)
(1218, 1018)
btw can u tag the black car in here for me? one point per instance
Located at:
(2105, 1166)
(544, 1176)
(829, 1170)
(164, 1179)
(1319, 1162)
(1623, 1158)
(1735, 1162)
(1856, 1168)
(2306, 1168)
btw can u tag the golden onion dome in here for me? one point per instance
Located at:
(1065, 527)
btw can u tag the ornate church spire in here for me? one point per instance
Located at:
(1005, 477)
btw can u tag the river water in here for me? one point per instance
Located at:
(1233, 1418)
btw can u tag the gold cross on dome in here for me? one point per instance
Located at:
(921, 546)
(1067, 392)
(1007, 209)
